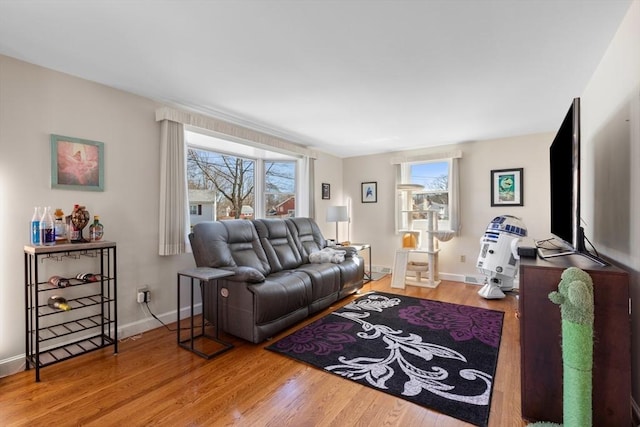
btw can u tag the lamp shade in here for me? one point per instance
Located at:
(337, 214)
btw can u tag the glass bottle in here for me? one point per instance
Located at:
(60, 226)
(96, 230)
(59, 303)
(59, 281)
(47, 230)
(35, 226)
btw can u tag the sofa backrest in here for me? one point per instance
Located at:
(278, 243)
(307, 236)
(228, 243)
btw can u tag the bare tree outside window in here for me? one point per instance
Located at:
(227, 183)
(232, 178)
(280, 188)
(434, 176)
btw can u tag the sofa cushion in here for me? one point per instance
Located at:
(283, 254)
(279, 295)
(325, 284)
(228, 243)
(278, 244)
(307, 236)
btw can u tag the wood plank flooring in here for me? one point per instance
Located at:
(152, 381)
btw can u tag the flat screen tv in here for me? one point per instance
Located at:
(564, 162)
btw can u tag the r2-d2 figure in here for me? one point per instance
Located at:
(498, 258)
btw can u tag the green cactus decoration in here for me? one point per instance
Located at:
(575, 298)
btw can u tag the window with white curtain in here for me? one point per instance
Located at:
(181, 130)
(434, 177)
(244, 181)
(438, 181)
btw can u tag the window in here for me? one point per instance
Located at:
(280, 189)
(435, 177)
(243, 181)
(195, 209)
(231, 178)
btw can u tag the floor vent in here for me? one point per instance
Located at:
(473, 280)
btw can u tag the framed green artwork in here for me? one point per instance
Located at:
(507, 187)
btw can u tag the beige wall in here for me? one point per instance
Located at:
(328, 169)
(36, 102)
(374, 222)
(610, 158)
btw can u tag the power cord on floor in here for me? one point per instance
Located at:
(156, 317)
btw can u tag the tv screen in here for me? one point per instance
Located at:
(565, 179)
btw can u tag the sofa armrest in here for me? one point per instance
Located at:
(245, 274)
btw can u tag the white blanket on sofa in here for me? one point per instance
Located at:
(327, 255)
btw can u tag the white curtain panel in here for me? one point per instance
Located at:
(305, 207)
(174, 203)
(454, 195)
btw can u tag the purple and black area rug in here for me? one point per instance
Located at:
(439, 355)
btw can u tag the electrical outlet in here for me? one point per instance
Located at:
(144, 295)
(463, 258)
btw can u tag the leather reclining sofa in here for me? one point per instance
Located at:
(275, 285)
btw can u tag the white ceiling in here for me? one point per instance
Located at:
(349, 77)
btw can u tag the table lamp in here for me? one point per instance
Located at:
(337, 214)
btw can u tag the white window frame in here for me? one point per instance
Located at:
(296, 177)
(403, 177)
(223, 146)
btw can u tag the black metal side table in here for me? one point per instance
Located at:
(206, 277)
(362, 247)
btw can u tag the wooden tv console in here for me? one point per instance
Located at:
(540, 341)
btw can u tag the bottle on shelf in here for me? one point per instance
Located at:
(59, 303)
(96, 230)
(88, 277)
(60, 227)
(59, 281)
(47, 230)
(35, 226)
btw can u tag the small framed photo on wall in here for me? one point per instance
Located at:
(506, 187)
(369, 192)
(326, 191)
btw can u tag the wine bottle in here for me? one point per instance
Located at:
(96, 230)
(59, 281)
(59, 303)
(88, 277)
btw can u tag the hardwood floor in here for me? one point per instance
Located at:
(152, 381)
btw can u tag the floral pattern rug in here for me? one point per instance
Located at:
(439, 355)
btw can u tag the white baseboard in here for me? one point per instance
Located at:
(15, 364)
(148, 323)
(453, 277)
(12, 365)
(470, 279)
(380, 269)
